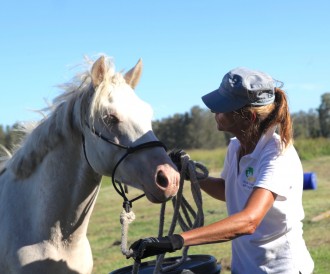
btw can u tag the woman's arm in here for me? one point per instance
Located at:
(241, 223)
(214, 187)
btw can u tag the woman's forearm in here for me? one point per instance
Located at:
(244, 222)
(221, 231)
(214, 187)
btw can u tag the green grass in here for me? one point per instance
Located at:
(315, 202)
(212, 159)
(104, 229)
(310, 148)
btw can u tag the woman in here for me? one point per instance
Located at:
(261, 182)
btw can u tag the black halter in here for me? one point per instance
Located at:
(127, 204)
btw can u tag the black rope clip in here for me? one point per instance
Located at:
(127, 205)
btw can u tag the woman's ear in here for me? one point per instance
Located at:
(253, 115)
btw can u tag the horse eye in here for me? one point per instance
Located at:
(110, 119)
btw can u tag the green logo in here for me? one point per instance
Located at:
(249, 172)
(249, 175)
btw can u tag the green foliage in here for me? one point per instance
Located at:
(193, 130)
(324, 115)
(312, 148)
(306, 124)
(211, 159)
(173, 131)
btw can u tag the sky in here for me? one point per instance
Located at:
(186, 48)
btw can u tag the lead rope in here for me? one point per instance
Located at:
(184, 218)
(179, 202)
(125, 219)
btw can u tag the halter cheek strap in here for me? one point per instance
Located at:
(127, 204)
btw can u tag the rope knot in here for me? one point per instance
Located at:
(127, 217)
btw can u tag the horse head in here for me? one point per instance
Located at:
(48, 187)
(116, 122)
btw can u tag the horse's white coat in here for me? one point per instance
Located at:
(48, 189)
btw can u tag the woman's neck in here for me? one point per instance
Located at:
(248, 143)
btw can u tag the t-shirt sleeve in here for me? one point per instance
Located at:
(278, 173)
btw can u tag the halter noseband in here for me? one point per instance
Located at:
(127, 204)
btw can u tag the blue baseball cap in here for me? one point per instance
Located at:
(241, 87)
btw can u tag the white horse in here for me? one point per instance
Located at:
(49, 186)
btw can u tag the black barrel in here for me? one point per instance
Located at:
(195, 264)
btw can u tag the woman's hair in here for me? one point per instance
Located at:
(275, 114)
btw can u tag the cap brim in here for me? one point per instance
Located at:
(217, 102)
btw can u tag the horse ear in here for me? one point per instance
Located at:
(98, 71)
(132, 77)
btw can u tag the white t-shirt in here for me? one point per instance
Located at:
(277, 245)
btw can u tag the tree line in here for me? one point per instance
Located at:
(196, 129)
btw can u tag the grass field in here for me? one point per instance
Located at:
(104, 229)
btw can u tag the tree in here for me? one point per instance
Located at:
(324, 115)
(306, 124)
(173, 130)
(203, 130)
(196, 129)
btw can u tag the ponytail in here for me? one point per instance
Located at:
(283, 117)
(275, 114)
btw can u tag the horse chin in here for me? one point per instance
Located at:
(157, 200)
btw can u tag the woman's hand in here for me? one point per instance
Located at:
(147, 247)
(176, 155)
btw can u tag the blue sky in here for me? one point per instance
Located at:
(186, 47)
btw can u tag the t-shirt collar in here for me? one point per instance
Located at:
(262, 142)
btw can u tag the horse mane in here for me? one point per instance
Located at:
(62, 119)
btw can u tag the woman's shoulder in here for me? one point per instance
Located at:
(234, 144)
(275, 149)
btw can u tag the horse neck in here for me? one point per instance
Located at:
(78, 184)
(56, 169)
(72, 188)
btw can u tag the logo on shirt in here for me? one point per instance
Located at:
(249, 175)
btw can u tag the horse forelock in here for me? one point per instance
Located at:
(63, 118)
(92, 99)
(104, 93)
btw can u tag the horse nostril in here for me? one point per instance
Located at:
(162, 180)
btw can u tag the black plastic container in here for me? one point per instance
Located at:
(195, 264)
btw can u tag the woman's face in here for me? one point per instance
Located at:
(229, 122)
